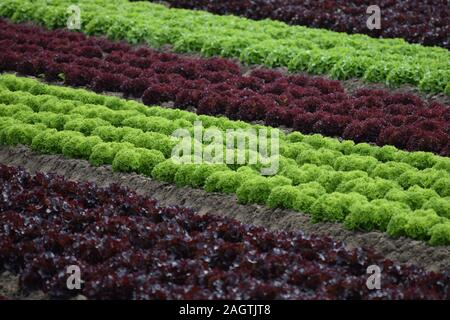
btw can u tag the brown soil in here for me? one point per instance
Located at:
(10, 289)
(403, 250)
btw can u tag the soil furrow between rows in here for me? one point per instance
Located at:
(401, 250)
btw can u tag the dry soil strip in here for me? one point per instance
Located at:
(405, 251)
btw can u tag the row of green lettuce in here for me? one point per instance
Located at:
(363, 192)
(271, 43)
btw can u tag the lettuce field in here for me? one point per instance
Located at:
(224, 150)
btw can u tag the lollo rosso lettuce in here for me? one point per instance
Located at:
(215, 247)
(338, 191)
(425, 21)
(254, 42)
(217, 87)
